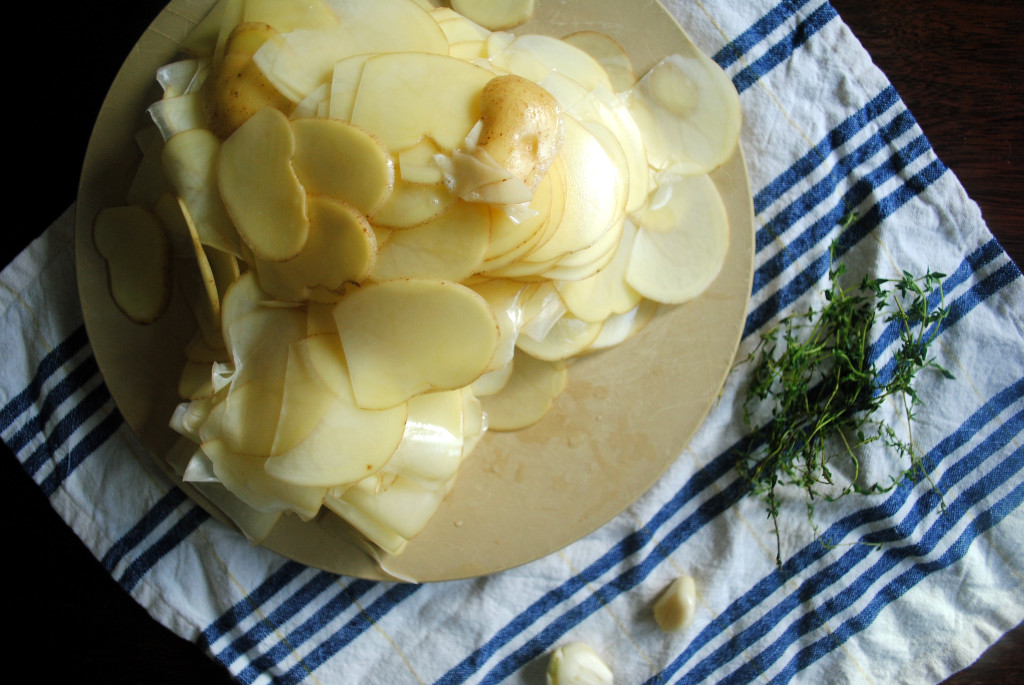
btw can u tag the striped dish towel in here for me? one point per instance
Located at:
(824, 132)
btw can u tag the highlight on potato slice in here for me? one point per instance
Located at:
(137, 252)
(259, 189)
(405, 337)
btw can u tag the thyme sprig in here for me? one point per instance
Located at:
(815, 390)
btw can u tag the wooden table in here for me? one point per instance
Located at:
(957, 65)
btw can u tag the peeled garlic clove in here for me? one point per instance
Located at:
(577, 664)
(674, 608)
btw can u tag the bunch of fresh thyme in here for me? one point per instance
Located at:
(815, 390)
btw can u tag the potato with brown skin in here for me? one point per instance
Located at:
(236, 88)
(522, 127)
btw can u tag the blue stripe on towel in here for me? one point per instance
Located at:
(251, 603)
(832, 141)
(50, 364)
(979, 525)
(137, 533)
(834, 572)
(341, 601)
(784, 49)
(295, 604)
(758, 32)
(194, 517)
(64, 389)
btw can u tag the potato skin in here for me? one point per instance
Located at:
(522, 129)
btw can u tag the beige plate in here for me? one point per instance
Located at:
(624, 418)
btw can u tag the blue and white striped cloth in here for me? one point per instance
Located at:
(825, 133)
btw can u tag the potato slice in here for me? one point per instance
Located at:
(341, 248)
(236, 87)
(138, 253)
(595, 194)
(349, 442)
(689, 113)
(337, 159)
(528, 395)
(618, 328)
(606, 292)
(450, 247)
(345, 85)
(190, 163)
(301, 60)
(246, 478)
(413, 204)
(680, 245)
(289, 15)
(534, 56)
(432, 445)
(609, 53)
(417, 164)
(404, 96)
(568, 337)
(405, 337)
(259, 189)
(495, 15)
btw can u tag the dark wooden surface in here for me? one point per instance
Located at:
(957, 65)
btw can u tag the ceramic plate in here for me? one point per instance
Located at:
(625, 416)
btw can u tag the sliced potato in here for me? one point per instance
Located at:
(259, 189)
(343, 162)
(680, 246)
(138, 253)
(449, 247)
(405, 337)
(609, 53)
(689, 113)
(348, 443)
(404, 96)
(495, 15)
(526, 397)
(341, 248)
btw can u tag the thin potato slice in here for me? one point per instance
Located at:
(349, 442)
(138, 252)
(609, 53)
(343, 162)
(404, 96)
(528, 394)
(689, 113)
(341, 248)
(259, 188)
(450, 247)
(405, 337)
(495, 15)
(680, 247)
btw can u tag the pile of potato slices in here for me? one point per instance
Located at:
(395, 228)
